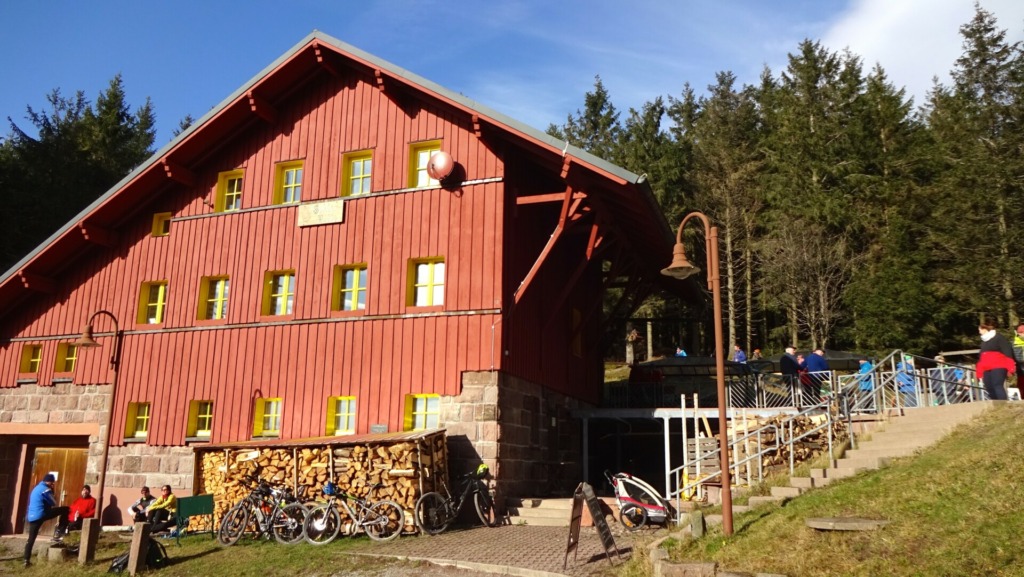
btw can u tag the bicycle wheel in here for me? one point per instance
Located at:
(288, 524)
(322, 525)
(234, 524)
(432, 513)
(485, 507)
(384, 521)
(633, 517)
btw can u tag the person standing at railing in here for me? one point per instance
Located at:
(1018, 353)
(789, 366)
(738, 356)
(996, 360)
(866, 383)
(817, 371)
(906, 381)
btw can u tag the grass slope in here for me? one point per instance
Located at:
(957, 508)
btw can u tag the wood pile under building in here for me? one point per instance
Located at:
(395, 466)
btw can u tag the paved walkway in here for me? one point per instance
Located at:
(522, 550)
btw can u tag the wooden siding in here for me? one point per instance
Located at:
(387, 351)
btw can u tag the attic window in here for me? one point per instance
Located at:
(162, 224)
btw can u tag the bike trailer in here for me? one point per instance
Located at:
(630, 490)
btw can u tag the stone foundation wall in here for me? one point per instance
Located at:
(540, 443)
(471, 420)
(58, 404)
(138, 464)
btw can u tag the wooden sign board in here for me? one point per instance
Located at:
(585, 494)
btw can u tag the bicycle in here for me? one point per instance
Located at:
(381, 520)
(434, 511)
(265, 511)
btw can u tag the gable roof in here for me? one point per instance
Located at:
(631, 201)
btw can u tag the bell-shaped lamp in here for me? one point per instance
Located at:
(86, 339)
(681, 267)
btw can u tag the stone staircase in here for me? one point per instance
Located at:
(539, 512)
(900, 436)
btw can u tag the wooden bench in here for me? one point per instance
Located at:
(194, 506)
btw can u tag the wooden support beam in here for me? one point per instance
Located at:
(566, 165)
(178, 173)
(569, 209)
(567, 288)
(321, 59)
(38, 283)
(98, 235)
(262, 108)
(553, 197)
(379, 75)
(476, 126)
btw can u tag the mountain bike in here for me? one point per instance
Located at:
(435, 511)
(265, 511)
(381, 520)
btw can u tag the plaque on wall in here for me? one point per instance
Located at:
(378, 428)
(322, 212)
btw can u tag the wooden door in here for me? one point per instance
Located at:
(69, 467)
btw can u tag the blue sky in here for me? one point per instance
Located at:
(532, 60)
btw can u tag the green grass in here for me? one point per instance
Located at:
(200, 555)
(955, 509)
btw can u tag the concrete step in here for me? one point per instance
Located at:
(539, 512)
(861, 461)
(809, 482)
(881, 453)
(759, 500)
(918, 439)
(844, 472)
(787, 492)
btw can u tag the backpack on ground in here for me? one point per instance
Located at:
(120, 563)
(156, 555)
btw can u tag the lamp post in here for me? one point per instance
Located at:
(87, 341)
(680, 269)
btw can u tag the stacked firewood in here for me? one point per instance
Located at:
(804, 449)
(400, 471)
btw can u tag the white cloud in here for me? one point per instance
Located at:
(914, 40)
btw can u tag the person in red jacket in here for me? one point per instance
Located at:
(996, 360)
(83, 508)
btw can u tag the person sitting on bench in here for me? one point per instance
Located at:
(137, 510)
(161, 514)
(83, 508)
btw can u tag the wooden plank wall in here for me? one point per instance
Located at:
(378, 356)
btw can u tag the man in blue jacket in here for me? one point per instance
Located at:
(42, 508)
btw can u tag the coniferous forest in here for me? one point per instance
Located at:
(850, 216)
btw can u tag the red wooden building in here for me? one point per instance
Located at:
(290, 267)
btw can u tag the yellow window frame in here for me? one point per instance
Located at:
(229, 191)
(422, 411)
(357, 173)
(200, 418)
(288, 182)
(426, 282)
(31, 358)
(349, 287)
(137, 422)
(266, 420)
(213, 297)
(279, 293)
(67, 358)
(162, 224)
(152, 302)
(341, 415)
(419, 158)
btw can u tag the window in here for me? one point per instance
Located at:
(213, 298)
(357, 172)
(422, 412)
(229, 191)
(350, 288)
(341, 415)
(137, 425)
(31, 356)
(200, 418)
(162, 224)
(288, 185)
(67, 356)
(426, 282)
(419, 157)
(152, 300)
(267, 419)
(279, 294)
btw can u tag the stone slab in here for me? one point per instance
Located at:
(844, 523)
